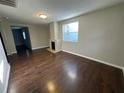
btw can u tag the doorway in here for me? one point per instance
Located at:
(21, 39)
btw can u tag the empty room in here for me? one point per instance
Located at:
(61, 46)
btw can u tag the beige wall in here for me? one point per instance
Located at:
(39, 35)
(101, 35)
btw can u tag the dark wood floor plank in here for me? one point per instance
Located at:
(44, 72)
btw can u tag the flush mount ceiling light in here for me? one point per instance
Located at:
(43, 16)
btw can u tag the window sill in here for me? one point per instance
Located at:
(70, 41)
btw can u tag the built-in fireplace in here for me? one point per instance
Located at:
(55, 41)
(53, 45)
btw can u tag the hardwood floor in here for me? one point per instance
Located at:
(44, 72)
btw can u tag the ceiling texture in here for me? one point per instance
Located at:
(27, 11)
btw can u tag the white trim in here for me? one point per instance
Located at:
(7, 81)
(53, 51)
(100, 61)
(15, 52)
(35, 48)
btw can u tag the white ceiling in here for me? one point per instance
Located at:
(27, 10)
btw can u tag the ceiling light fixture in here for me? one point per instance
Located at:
(43, 16)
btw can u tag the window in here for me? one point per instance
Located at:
(24, 36)
(70, 32)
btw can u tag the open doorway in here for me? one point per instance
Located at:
(21, 39)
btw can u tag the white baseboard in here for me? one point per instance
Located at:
(15, 52)
(35, 48)
(7, 81)
(100, 61)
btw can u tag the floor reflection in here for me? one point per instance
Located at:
(51, 87)
(13, 89)
(71, 70)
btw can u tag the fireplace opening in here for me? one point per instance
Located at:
(53, 45)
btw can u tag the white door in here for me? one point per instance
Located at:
(4, 70)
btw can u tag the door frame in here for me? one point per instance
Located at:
(22, 31)
(4, 47)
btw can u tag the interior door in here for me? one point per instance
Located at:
(4, 69)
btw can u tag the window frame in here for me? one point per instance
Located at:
(63, 32)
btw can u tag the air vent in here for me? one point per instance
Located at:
(11, 3)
